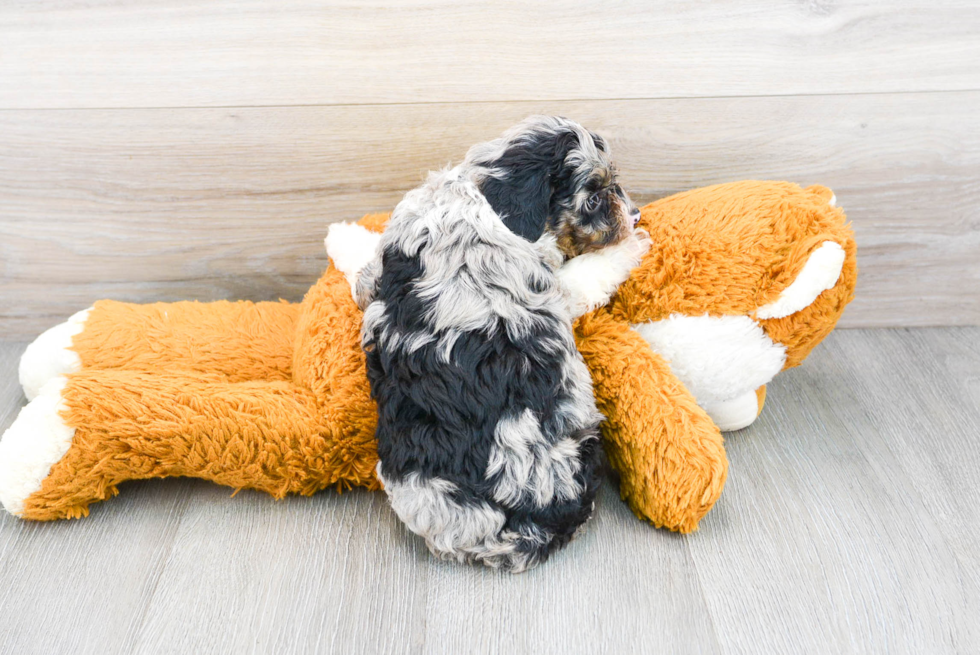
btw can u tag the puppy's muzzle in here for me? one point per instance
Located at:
(634, 216)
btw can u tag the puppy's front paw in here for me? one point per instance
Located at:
(590, 280)
(640, 244)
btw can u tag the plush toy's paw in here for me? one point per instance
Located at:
(351, 247)
(716, 357)
(590, 280)
(34, 443)
(50, 355)
(736, 413)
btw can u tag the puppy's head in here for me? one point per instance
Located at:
(550, 174)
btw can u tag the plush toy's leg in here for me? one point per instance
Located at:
(103, 427)
(669, 454)
(29, 448)
(242, 340)
(328, 358)
(329, 361)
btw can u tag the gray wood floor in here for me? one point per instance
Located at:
(850, 524)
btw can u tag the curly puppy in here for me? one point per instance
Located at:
(487, 426)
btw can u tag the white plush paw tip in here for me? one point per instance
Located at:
(351, 247)
(51, 355)
(36, 440)
(734, 414)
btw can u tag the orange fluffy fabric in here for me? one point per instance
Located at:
(724, 250)
(273, 396)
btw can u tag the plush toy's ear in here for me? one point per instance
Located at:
(522, 176)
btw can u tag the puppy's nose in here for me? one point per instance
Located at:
(635, 216)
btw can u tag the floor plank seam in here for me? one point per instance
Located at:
(537, 100)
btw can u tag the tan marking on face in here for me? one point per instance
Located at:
(574, 239)
(604, 176)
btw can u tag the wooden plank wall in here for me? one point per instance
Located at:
(169, 149)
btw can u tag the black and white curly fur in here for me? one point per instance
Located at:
(487, 426)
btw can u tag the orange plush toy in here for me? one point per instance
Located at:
(742, 281)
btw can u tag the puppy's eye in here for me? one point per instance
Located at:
(593, 202)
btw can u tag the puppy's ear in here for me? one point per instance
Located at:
(523, 178)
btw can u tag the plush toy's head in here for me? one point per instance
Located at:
(735, 249)
(742, 281)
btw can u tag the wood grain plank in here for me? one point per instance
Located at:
(830, 528)
(340, 574)
(304, 575)
(180, 53)
(83, 586)
(905, 402)
(11, 396)
(147, 205)
(619, 587)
